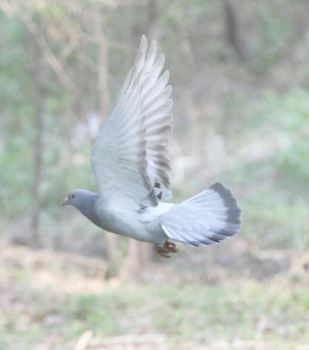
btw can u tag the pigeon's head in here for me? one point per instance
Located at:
(77, 198)
(85, 202)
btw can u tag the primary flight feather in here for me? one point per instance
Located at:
(131, 163)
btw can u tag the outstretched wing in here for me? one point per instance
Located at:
(130, 156)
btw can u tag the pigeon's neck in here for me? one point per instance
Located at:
(88, 207)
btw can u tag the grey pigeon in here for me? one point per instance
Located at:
(131, 164)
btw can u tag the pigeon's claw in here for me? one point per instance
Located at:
(170, 246)
(166, 249)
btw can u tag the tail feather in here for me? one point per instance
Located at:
(207, 218)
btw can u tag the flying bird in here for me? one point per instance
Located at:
(131, 163)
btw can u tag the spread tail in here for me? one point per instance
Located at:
(207, 218)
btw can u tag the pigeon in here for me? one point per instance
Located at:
(131, 163)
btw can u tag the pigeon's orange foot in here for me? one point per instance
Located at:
(166, 249)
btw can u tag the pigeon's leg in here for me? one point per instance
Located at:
(162, 252)
(166, 249)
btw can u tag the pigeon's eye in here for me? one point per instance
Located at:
(73, 196)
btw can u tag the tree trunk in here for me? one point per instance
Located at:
(37, 174)
(234, 33)
(155, 8)
(38, 71)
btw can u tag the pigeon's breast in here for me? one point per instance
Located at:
(123, 222)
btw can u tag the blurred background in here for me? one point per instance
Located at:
(240, 72)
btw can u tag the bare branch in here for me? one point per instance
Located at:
(51, 58)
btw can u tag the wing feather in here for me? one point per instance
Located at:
(130, 157)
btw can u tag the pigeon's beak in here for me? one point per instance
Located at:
(65, 202)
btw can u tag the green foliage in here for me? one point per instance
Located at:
(290, 115)
(274, 221)
(187, 311)
(250, 112)
(191, 312)
(275, 210)
(275, 31)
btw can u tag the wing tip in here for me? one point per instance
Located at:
(143, 39)
(143, 46)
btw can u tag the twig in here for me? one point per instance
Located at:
(129, 340)
(50, 56)
(84, 340)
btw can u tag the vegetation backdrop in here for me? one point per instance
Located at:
(240, 72)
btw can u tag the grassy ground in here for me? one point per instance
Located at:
(60, 302)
